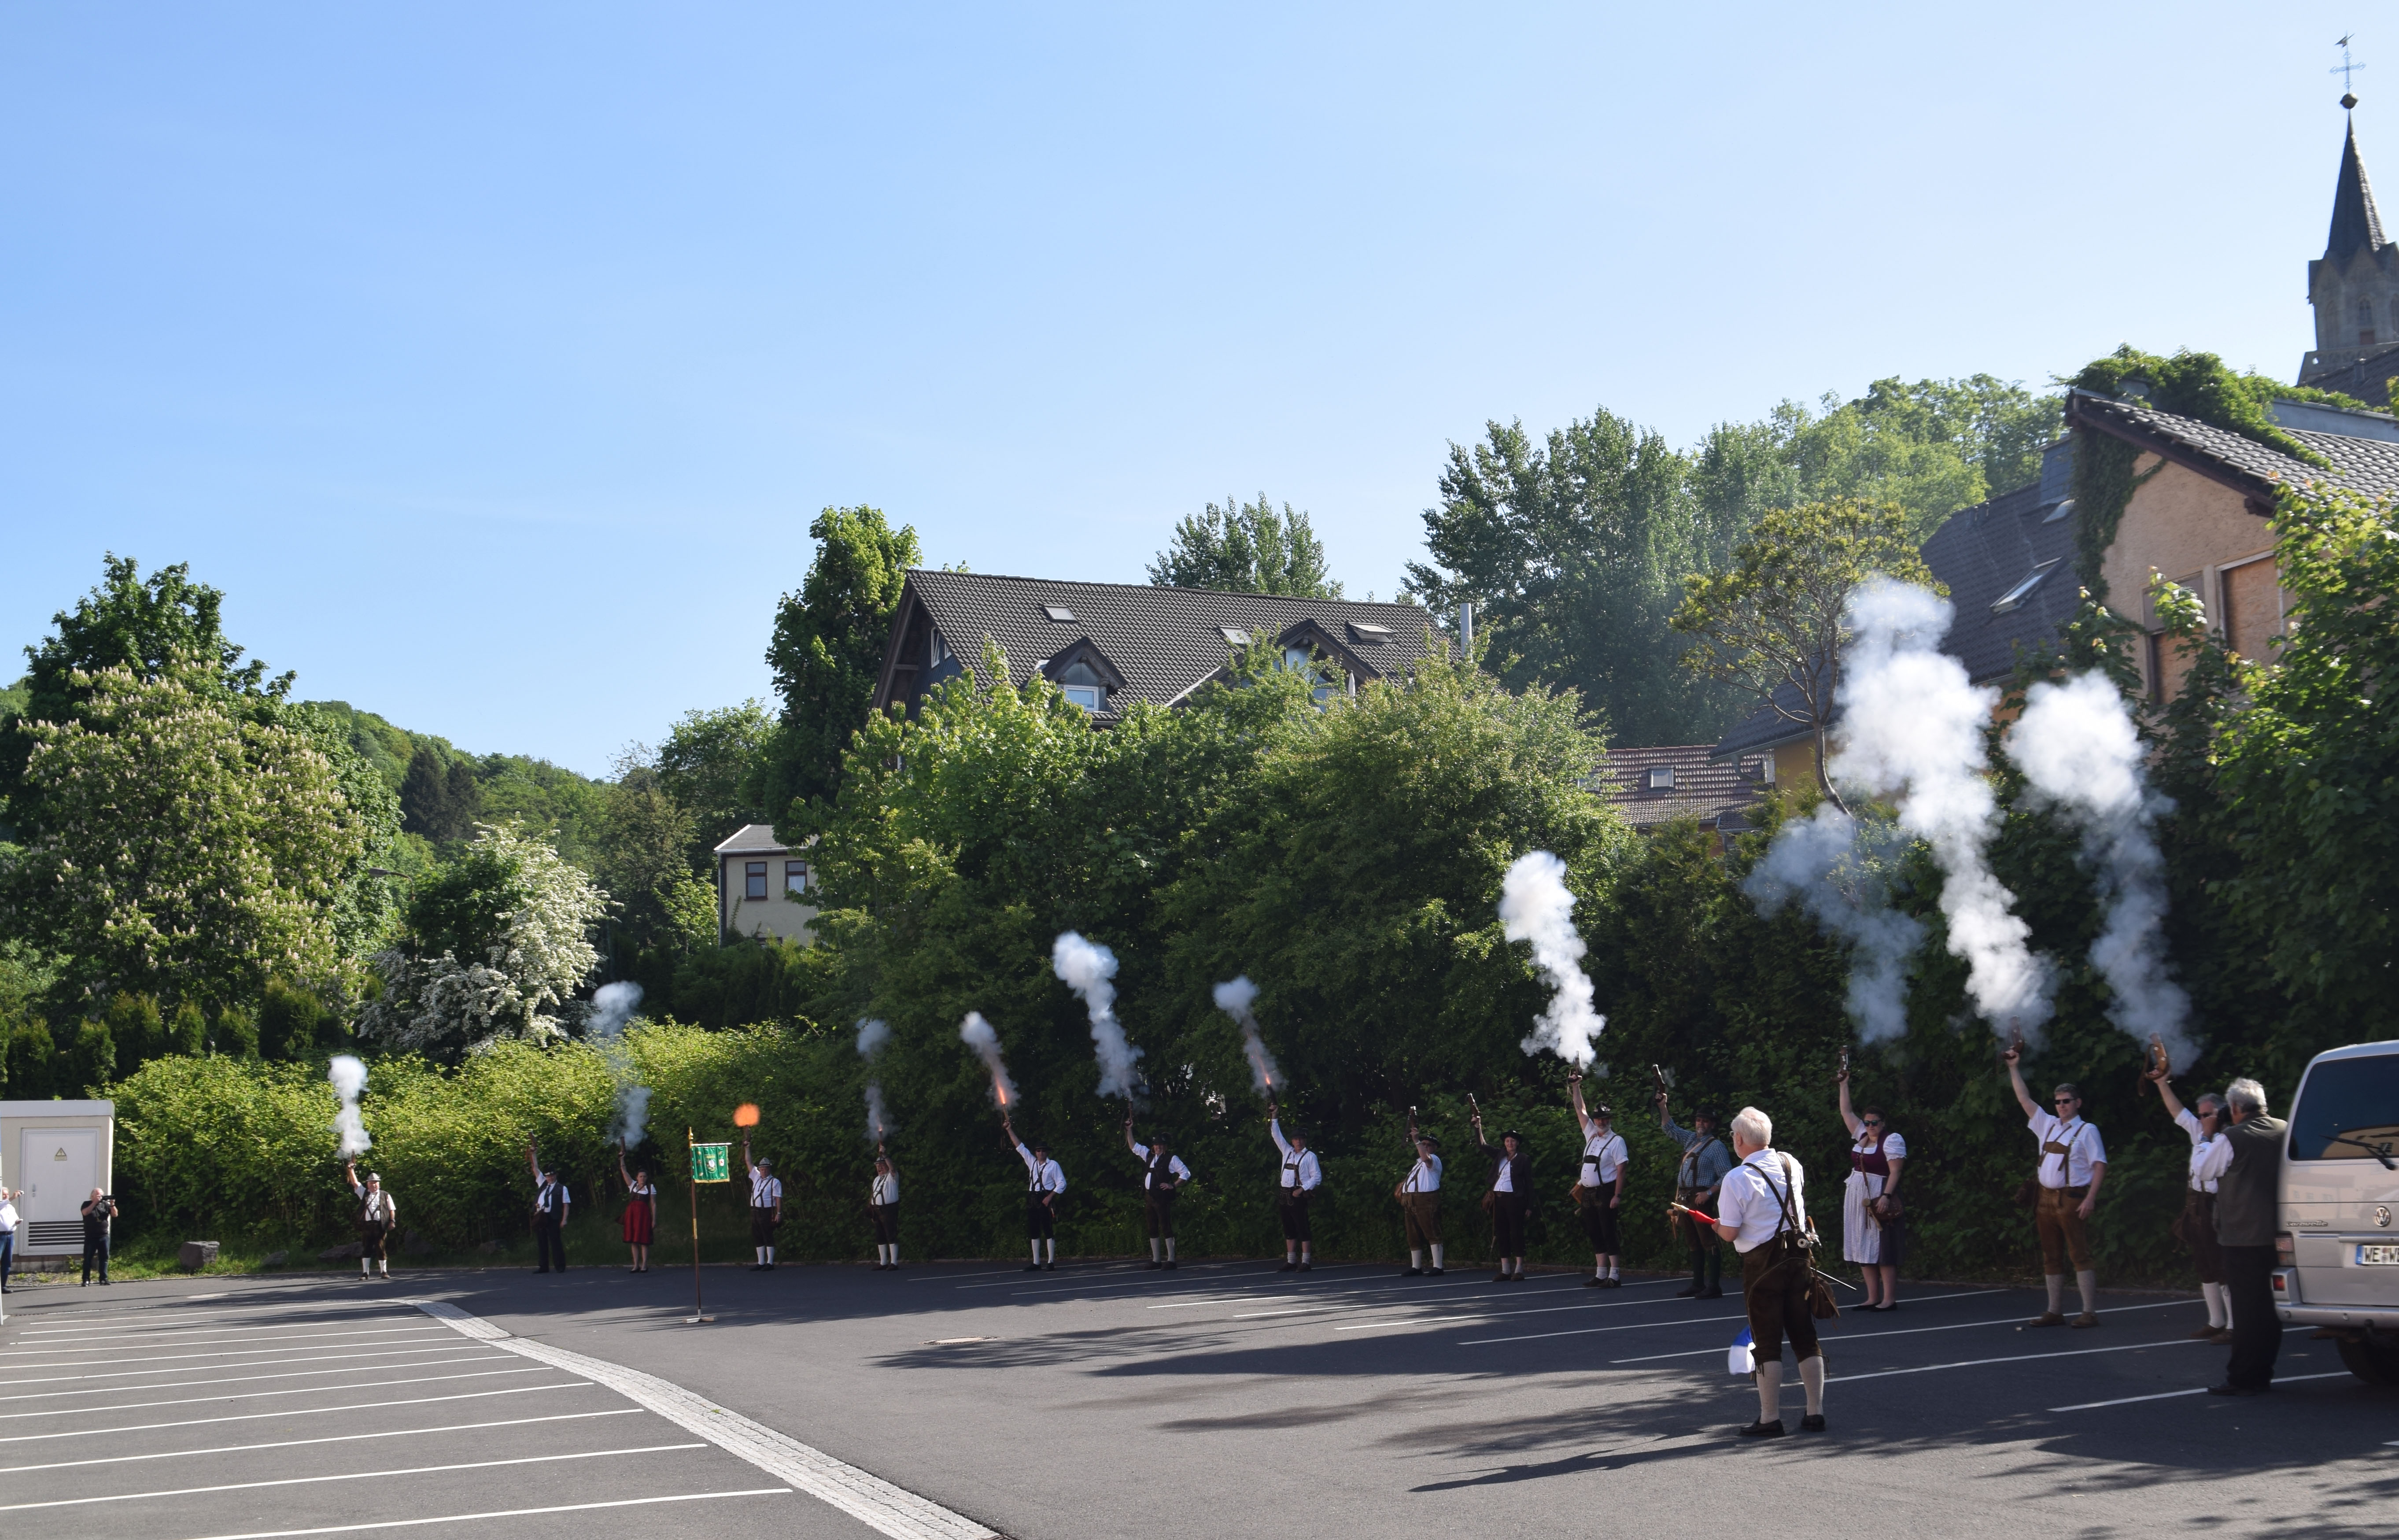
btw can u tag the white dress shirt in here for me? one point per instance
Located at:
(7, 1217)
(2083, 1150)
(886, 1189)
(375, 1207)
(1149, 1173)
(2209, 1153)
(1751, 1198)
(765, 1192)
(1299, 1167)
(1424, 1176)
(1046, 1176)
(1604, 1155)
(553, 1198)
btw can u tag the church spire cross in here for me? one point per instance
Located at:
(2345, 69)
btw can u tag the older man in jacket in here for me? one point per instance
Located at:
(2248, 1198)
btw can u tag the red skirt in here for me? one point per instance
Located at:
(639, 1221)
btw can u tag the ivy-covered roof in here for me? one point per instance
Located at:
(2369, 466)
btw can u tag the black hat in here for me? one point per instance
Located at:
(1424, 1138)
(1600, 1110)
(1704, 1115)
(1512, 1134)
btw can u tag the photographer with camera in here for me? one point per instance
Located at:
(98, 1209)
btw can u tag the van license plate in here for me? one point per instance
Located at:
(2378, 1256)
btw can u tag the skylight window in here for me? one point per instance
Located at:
(2017, 595)
(1365, 632)
(1058, 613)
(1662, 777)
(2063, 510)
(1234, 634)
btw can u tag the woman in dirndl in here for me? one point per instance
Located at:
(2204, 1121)
(640, 1212)
(1872, 1231)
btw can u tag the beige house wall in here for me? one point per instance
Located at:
(2204, 536)
(779, 915)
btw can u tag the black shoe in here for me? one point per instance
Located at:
(1764, 1430)
(1615, 1282)
(1169, 1265)
(541, 1269)
(1713, 1291)
(104, 1283)
(1595, 1281)
(1412, 1272)
(1307, 1267)
(1032, 1267)
(1690, 1293)
(1812, 1422)
(1154, 1266)
(1288, 1267)
(1434, 1272)
(1048, 1266)
(2236, 1390)
(1498, 1278)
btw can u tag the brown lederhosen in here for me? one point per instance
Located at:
(887, 1223)
(2195, 1227)
(1775, 1294)
(1423, 1213)
(1694, 1235)
(2064, 1232)
(374, 1236)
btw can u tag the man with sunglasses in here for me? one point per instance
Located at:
(2073, 1164)
(2204, 1121)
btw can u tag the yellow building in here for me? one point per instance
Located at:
(764, 887)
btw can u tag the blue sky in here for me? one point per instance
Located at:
(496, 358)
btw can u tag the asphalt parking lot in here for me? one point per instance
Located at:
(1107, 1399)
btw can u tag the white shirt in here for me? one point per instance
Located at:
(7, 1217)
(1751, 1198)
(1299, 1167)
(552, 1198)
(2082, 1145)
(1424, 1176)
(1505, 1181)
(886, 1189)
(2209, 1153)
(1046, 1176)
(1604, 1155)
(1149, 1174)
(1894, 1148)
(765, 1192)
(377, 1206)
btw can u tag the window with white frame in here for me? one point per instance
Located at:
(1091, 697)
(753, 879)
(1662, 777)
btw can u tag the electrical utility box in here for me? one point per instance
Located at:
(55, 1153)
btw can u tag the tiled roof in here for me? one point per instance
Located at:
(753, 838)
(1982, 554)
(1165, 642)
(1705, 788)
(2360, 464)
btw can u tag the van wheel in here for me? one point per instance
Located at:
(2376, 1363)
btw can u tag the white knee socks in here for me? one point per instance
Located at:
(2087, 1283)
(366, 1267)
(1170, 1248)
(1036, 1253)
(1436, 1256)
(1053, 1251)
(2056, 1282)
(1416, 1260)
(1154, 1249)
(1812, 1376)
(2214, 1295)
(1769, 1392)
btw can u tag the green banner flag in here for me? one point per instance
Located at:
(711, 1163)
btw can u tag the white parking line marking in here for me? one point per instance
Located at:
(1908, 1331)
(60, 1342)
(220, 1353)
(420, 1353)
(2020, 1357)
(246, 1395)
(74, 1322)
(341, 1476)
(2202, 1390)
(502, 1513)
(332, 1438)
(866, 1497)
(1592, 1331)
(307, 1412)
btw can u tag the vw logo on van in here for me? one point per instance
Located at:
(2382, 1215)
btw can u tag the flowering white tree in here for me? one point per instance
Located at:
(191, 843)
(499, 942)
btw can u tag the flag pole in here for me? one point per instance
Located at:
(699, 1312)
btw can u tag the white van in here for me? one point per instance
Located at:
(2338, 1254)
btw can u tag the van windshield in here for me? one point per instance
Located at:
(2356, 1097)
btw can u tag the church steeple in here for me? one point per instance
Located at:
(2356, 224)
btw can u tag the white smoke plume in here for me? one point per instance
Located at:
(349, 1078)
(1912, 729)
(1535, 905)
(1833, 866)
(1087, 969)
(977, 1033)
(612, 1007)
(871, 1035)
(2080, 753)
(1236, 997)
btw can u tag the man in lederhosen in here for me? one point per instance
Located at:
(377, 1215)
(1763, 1210)
(1706, 1162)
(1419, 1196)
(2073, 1164)
(1044, 1181)
(551, 1205)
(1599, 1186)
(2204, 1121)
(1302, 1174)
(765, 1208)
(1163, 1174)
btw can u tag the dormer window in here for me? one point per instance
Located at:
(1091, 697)
(1059, 612)
(1660, 778)
(2017, 595)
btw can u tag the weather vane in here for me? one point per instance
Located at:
(2345, 69)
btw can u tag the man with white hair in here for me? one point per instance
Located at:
(377, 1215)
(1762, 1211)
(2247, 1200)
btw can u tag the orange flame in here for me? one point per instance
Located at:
(746, 1115)
(999, 1090)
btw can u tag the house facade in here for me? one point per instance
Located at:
(765, 888)
(1107, 645)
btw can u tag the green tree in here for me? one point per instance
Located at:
(1573, 552)
(709, 764)
(1773, 621)
(183, 849)
(1930, 448)
(1245, 548)
(438, 798)
(645, 861)
(827, 652)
